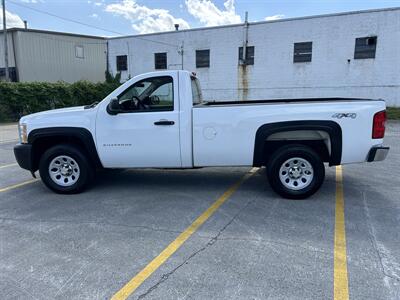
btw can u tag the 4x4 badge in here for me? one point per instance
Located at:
(344, 115)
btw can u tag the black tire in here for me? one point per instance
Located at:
(86, 170)
(285, 153)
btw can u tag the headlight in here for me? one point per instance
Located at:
(23, 134)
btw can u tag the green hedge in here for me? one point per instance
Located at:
(21, 98)
(393, 113)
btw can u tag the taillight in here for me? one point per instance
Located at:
(378, 128)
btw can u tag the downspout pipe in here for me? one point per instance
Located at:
(13, 34)
(245, 36)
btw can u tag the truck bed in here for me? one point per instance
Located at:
(224, 132)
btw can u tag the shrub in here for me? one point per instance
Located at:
(393, 113)
(22, 98)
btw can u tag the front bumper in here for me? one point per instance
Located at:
(377, 153)
(23, 155)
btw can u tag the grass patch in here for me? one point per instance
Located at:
(393, 113)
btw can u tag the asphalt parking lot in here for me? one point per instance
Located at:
(255, 245)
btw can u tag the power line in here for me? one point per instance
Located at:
(152, 41)
(88, 25)
(63, 18)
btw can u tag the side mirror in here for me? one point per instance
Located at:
(114, 107)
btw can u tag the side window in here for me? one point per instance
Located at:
(196, 91)
(150, 94)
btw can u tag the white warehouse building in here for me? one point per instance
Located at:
(354, 54)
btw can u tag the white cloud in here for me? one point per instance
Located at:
(274, 17)
(95, 16)
(13, 20)
(97, 3)
(210, 15)
(144, 19)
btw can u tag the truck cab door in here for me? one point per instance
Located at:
(144, 131)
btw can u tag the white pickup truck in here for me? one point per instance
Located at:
(159, 120)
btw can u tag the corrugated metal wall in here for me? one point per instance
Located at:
(11, 62)
(52, 57)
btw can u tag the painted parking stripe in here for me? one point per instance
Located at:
(340, 282)
(11, 187)
(139, 278)
(9, 165)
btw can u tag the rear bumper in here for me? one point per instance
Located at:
(377, 153)
(23, 155)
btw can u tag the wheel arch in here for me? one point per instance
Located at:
(331, 128)
(43, 138)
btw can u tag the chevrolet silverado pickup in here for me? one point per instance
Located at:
(159, 120)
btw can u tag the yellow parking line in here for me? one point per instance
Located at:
(139, 278)
(9, 165)
(340, 283)
(11, 187)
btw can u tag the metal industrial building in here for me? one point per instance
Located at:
(354, 54)
(38, 55)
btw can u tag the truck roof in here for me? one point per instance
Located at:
(166, 72)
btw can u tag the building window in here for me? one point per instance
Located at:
(79, 52)
(202, 58)
(365, 47)
(249, 60)
(122, 62)
(302, 52)
(160, 61)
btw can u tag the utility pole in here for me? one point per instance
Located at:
(5, 40)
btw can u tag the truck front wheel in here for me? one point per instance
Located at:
(65, 169)
(295, 171)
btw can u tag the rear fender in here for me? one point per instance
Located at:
(332, 128)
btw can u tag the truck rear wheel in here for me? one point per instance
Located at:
(295, 171)
(64, 169)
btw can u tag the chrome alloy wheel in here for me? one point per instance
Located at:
(64, 170)
(296, 173)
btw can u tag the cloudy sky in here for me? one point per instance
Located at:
(115, 17)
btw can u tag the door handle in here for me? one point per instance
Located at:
(164, 123)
